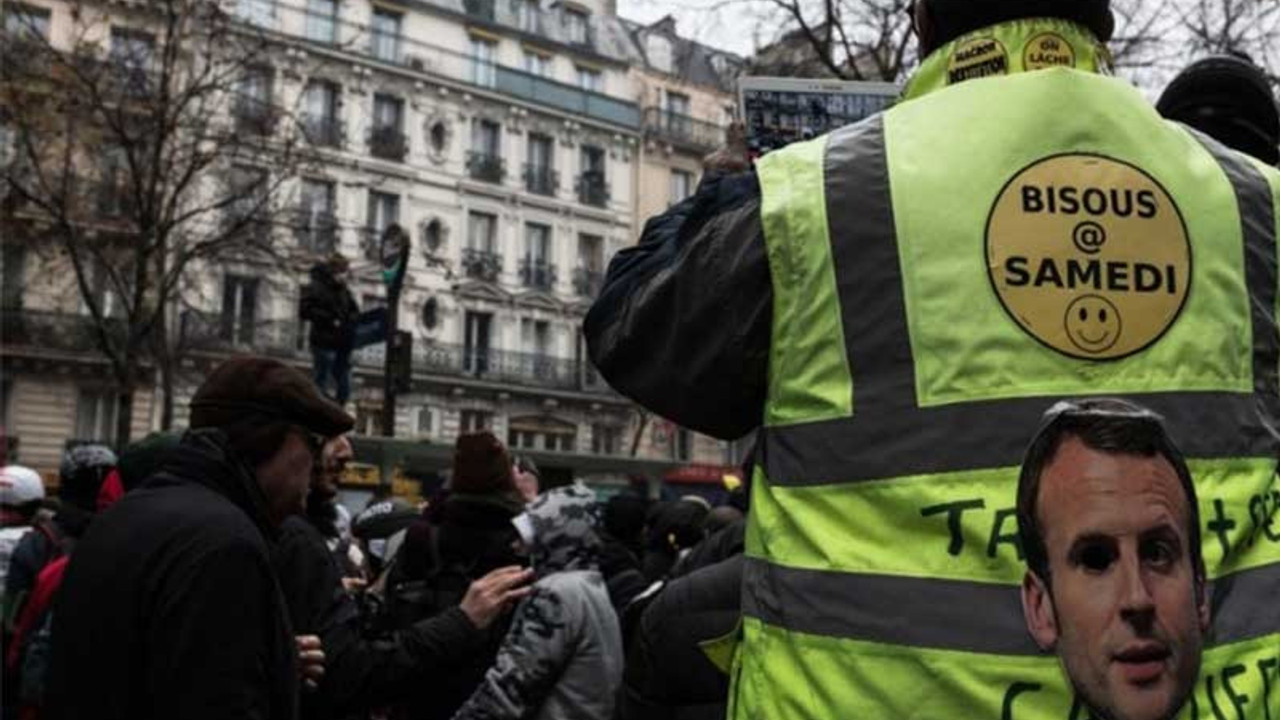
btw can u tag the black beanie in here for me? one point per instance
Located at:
(1229, 99)
(953, 18)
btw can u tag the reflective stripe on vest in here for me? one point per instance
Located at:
(884, 562)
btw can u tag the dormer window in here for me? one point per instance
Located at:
(658, 48)
(575, 26)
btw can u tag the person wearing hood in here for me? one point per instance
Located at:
(462, 537)
(170, 606)
(562, 658)
(327, 303)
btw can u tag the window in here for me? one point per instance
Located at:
(484, 72)
(590, 79)
(536, 270)
(317, 218)
(537, 64)
(575, 26)
(321, 113)
(253, 104)
(658, 48)
(387, 141)
(386, 35)
(678, 104)
(606, 439)
(384, 210)
(681, 186)
(537, 247)
(539, 173)
(246, 188)
(592, 160)
(96, 412)
(682, 447)
(388, 112)
(425, 421)
(14, 258)
(26, 22)
(591, 252)
(486, 136)
(104, 289)
(476, 327)
(239, 309)
(475, 421)
(322, 26)
(131, 54)
(540, 151)
(535, 336)
(482, 231)
(527, 15)
(259, 12)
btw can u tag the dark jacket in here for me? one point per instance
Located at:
(667, 673)
(331, 310)
(170, 607)
(360, 674)
(703, 262)
(464, 538)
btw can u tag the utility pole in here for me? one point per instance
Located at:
(399, 347)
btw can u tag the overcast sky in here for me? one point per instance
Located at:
(726, 30)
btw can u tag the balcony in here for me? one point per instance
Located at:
(255, 118)
(324, 131)
(208, 332)
(683, 131)
(45, 330)
(587, 282)
(247, 225)
(317, 232)
(592, 189)
(388, 143)
(486, 167)
(537, 274)
(220, 333)
(481, 264)
(541, 180)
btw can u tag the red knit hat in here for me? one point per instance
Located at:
(481, 465)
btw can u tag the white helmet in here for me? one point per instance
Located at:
(20, 485)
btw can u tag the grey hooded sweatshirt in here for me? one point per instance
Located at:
(562, 658)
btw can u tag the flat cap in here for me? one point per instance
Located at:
(246, 386)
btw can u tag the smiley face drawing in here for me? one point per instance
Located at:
(1092, 323)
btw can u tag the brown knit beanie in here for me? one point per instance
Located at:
(481, 465)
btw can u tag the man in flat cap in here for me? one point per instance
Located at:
(170, 607)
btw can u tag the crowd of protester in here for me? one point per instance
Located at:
(214, 572)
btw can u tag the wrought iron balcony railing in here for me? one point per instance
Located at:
(388, 143)
(537, 274)
(592, 189)
(587, 282)
(481, 264)
(50, 330)
(486, 167)
(541, 180)
(682, 130)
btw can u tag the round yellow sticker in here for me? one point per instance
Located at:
(1048, 50)
(1089, 255)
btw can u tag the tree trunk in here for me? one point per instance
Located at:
(124, 414)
